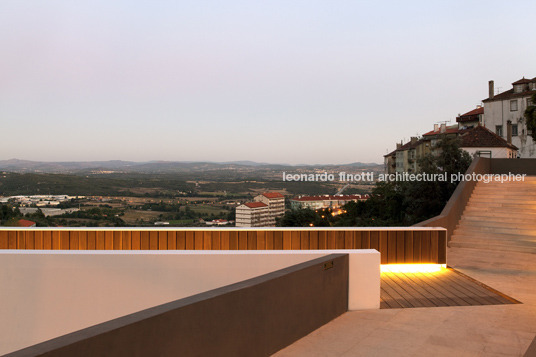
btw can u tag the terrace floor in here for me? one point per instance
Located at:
(446, 287)
(485, 330)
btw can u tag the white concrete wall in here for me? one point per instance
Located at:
(496, 153)
(46, 294)
(498, 113)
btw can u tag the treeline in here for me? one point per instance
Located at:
(12, 184)
(145, 185)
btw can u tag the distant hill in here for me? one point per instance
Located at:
(25, 166)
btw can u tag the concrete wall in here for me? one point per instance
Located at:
(517, 166)
(50, 293)
(256, 317)
(498, 113)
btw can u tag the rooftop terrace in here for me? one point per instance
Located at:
(487, 330)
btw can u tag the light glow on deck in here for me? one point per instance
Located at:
(412, 268)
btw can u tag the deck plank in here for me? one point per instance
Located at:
(431, 294)
(444, 288)
(410, 290)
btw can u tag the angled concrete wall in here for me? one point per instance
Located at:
(46, 294)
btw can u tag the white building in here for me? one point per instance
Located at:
(509, 107)
(253, 214)
(276, 205)
(263, 212)
(480, 141)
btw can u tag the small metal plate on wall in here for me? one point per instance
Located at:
(328, 265)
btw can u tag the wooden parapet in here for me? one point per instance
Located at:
(396, 245)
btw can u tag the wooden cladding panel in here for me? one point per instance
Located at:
(395, 246)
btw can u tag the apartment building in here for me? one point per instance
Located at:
(263, 212)
(406, 156)
(276, 205)
(507, 110)
(471, 119)
(252, 214)
(476, 140)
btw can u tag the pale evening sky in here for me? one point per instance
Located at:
(272, 81)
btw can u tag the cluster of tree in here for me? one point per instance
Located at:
(188, 213)
(161, 207)
(104, 215)
(9, 216)
(396, 203)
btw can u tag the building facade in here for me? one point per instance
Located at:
(508, 108)
(262, 212)
(276, 205)
(471, 119)
(476, 140)
(252, 214)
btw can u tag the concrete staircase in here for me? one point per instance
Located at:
(499, 217)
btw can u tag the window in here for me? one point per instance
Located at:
(513, 105)
(529, 102)
(514, 129)
(498, 130)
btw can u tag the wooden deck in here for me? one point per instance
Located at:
(447, 287)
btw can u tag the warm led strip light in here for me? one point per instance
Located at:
(412, 268)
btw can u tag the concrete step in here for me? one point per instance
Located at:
(480, 204)
(512, 237)
(523, 180)
(526, 183)
(492, 246)
(501, 188)
(499, 227)
(496, 208)
(488, 241)
(505, 196)
(497, 222)
(499, 216)
(491, 202)
(465, 234)
(512, 213)
(475, 229)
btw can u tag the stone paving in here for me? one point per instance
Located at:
(493, 330)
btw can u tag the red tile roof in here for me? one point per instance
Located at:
(479, 110)
(273, 195)
(482, 137)
(523, 81)
(449, 130)
(255, 204)
(471, 115)
(25, 223)
(407, 146)
(509, 94)
(390, 154)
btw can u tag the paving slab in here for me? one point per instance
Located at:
(487, 330)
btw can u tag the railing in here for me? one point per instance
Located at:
(396, 245)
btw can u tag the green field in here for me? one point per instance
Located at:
(182, 221)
